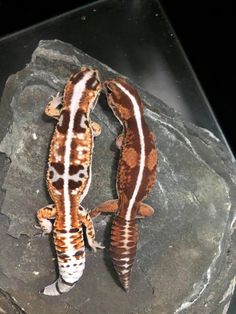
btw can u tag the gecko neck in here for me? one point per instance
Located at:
(132, 123)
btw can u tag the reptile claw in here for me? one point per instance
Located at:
(40, 234)
(94, 245)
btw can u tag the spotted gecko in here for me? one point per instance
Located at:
(136, 175)
(69, 177)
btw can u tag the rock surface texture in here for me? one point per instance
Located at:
(186, 253)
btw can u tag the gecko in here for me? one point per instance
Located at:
(136, 175)
(69, 176)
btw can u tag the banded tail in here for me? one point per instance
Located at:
(71, 261)
(124, 237)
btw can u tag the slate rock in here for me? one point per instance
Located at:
(186, 251)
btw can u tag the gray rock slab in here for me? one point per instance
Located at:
(186, 251)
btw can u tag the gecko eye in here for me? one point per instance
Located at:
(109, 90)
(59, 107)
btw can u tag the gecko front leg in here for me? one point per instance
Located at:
(54, 107)
(96, 128)
(44, 215)
(119, 140)
(110, 206)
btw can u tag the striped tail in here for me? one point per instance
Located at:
(124, 237)
(70, 272)
(71, 262)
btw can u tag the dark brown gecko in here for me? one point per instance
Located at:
(136, 175)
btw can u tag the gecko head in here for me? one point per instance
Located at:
(122, 98)
(92, 85)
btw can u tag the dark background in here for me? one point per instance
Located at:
(206, 32)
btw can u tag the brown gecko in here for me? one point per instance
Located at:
(136, 175)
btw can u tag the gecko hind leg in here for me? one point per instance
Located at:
(145, 210)
(112, 207)
(44, 215)
(90, 232)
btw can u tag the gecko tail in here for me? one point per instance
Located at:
(124, 237)
(59, 287)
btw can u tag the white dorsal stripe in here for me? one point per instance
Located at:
(137, 115)
(74, 105)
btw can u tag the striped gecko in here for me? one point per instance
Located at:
(69, 177)
(136, 175)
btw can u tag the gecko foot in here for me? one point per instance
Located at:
(94, 245)
(43, 233)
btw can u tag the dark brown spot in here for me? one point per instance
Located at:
(77, 121)
(92, 83)
(61, 230)
(63, 256)
(59, 167)
(65, 116)
(50, 174)
(73, 230)
(61, 151)
(75, 78)
(58, 184)
(75, 169)
(73, 184)
(81, 175)
(79, 253)
(73, 144)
